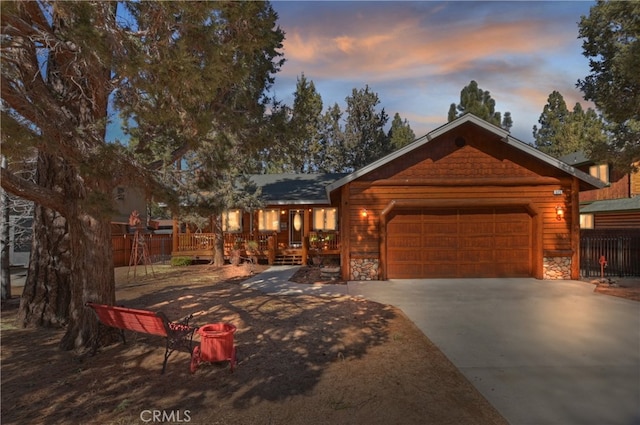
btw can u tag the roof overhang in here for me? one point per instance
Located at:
(586, 181)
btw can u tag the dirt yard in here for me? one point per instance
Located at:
(302, 360)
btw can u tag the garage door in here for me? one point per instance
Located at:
(428, 243)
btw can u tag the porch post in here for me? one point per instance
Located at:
(575, 228)
(305, 236)
(175, 235)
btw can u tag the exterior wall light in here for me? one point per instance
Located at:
(559, 212)
(364, 212)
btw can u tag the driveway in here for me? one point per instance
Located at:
(542, 352)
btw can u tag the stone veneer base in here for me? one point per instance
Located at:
(556, 268)
(364, 269)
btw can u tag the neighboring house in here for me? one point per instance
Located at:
(466, 200)
(127, 200)
(617, 205)
(609, 220)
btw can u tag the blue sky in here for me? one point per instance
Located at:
(418, 55)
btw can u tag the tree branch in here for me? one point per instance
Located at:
(31, 191)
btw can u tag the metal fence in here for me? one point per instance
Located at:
(620, 248)
(159, 247)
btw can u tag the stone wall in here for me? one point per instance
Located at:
(364, 269)
(556, 268)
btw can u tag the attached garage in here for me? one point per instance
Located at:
(465, 200)
(460, 242)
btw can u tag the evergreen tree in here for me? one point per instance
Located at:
(611, 41)
(400, 134)
(365, 139)
(478, 102)
(305, 124)
(180, 71)
(562, 131)
(333, 157)
(297, 145)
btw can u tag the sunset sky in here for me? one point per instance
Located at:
(418, 55)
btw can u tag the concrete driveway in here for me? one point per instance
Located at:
(542, 352)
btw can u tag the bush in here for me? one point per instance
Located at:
(180, 261)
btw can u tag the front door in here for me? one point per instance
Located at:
(296, 228)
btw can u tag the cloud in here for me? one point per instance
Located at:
(418, 55)
(408, 44)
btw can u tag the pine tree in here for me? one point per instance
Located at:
(474, 100)
(562, 131)
(180, 71)
(611, 42)
(365, 139)
(333, 157)
(400, 134)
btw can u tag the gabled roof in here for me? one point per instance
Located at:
(612, 205)
(294, 189)
(590, 181)
(576, 158)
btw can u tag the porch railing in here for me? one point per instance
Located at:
(324, 241)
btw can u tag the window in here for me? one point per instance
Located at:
(586, 221)
(325, 219)
(600, 172)
(232, 221)
(120, 194)
(268, 220)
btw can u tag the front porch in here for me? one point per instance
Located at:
(315, 248)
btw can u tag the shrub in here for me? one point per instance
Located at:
(180, 261)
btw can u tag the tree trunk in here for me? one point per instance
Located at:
(46, 294)
(92, 277)
(218, 256)
(5, 244)
(71, 261)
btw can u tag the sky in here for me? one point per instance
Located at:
(417, 56)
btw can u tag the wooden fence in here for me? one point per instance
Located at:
(621, 249)
(159, 247)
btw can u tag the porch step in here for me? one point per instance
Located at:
(288, 260)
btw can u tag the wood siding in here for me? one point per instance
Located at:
(629, 220)
(441, 172)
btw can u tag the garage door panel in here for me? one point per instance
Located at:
(406, 255)
(439, 228)
(512, 227)
(414, 241)
(476, 242)
(491, 242)
(479, 255)
(439, 255)
(440, 242)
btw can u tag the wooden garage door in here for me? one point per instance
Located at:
(428, 243)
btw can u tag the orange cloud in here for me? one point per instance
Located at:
(408, 47)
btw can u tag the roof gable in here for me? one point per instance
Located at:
(411, 153)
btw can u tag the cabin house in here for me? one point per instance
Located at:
(609, 220)
(615, 206)
(466, 200)
(296, 223)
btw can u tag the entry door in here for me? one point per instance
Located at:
(296, 219)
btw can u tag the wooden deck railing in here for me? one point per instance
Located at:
(324, 241)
